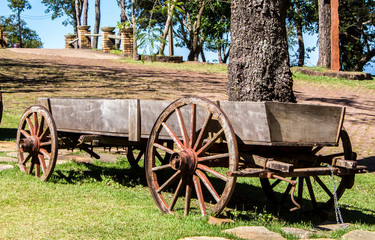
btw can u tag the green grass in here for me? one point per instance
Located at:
(112, 201)
(333, 82)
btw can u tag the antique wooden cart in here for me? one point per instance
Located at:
(193, 142)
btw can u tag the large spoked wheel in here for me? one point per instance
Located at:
(37, 142)
(204, 149)
(313, 193)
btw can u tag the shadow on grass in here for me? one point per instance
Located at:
(247, 202)
(7, 134)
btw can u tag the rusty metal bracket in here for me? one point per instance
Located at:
(291, 182)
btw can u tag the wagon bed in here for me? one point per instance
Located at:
(192, 142)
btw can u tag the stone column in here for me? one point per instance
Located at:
(5, 38)
(127, 42)
(84, 41)
(108, 44)
(68, 39)
(1, 31)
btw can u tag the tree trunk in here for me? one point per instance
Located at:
(78, 12)
(301, 44)
(195, 49)
(259, 60)
(220, 58)
(97, 24)
(135, 55)
(324, 59)
(168, 23)
(19, 28)
(85, 12)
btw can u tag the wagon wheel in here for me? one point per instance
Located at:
(318, 189)
(194, 159)
(37, 142)
(135, 155)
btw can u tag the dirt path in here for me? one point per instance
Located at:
(32, 73)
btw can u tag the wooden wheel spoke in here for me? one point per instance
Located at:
(311, 192)
(274, 184)
(188, 196)
(31, 166)
(173, 136)
(210, 142)
(26, 134)
(165, 149)
(177, 193)
(163, 167)
(202, 132)
(36, 123)
(213, 172)
(45, 153)
(31, 126)
(42, 162)
(43, 144)
(182, 128)
(44, 134)
(319, 181)
(300, 189)
(169, 181)
(316, 149)
(193, 124)
(198, 190)
(41, 126)
(213, 157)
(208, 184)
(37, 170)
(26, 159)
(140, 155)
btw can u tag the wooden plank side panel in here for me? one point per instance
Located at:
(249, 120)
(91, 115)
(302, 123)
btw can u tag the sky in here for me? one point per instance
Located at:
(52, 31)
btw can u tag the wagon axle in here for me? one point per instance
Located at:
(186, 161)
(30, 145)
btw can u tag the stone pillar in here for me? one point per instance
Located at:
(1, 31)
(68, 39)
(127, 42)
(108, 44)
(84, 41)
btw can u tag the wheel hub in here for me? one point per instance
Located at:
(185, 161)
(30, 145)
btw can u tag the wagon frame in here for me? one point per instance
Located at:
(193, 142)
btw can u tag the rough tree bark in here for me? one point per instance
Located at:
(97, 24)
(301, 44)
(259, 60)
(134, 24)
(324, 59)
(167, 27)
(196, 48)
(85, 12)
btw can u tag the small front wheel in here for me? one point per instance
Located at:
(37, 142)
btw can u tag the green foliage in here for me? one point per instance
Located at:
(123, 25)
(357, 32)
(59, 8)
(30, 38)
(18, 6)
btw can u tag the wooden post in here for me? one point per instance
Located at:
(335, 49)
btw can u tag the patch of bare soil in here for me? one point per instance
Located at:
(26, 77)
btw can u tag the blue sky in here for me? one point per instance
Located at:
(52, 32)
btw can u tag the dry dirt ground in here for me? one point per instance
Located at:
(27, 74)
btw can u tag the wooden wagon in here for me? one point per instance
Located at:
(193, 142)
